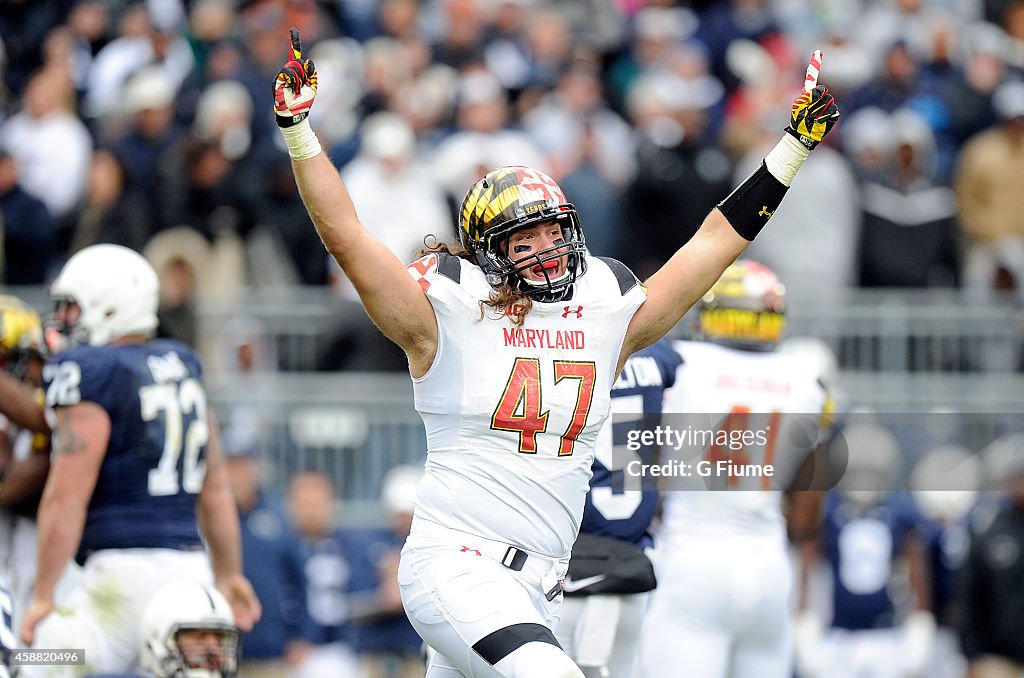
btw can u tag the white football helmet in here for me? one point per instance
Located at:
(116, 290)
(188, 631)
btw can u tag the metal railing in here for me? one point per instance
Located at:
(898, 352)
(890, 331)
(869, 331)
(915, 331)
(353, 427)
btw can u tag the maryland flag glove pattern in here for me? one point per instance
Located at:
(814, 114)
(295, 85)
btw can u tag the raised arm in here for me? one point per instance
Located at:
(731, 226)
(393, 299)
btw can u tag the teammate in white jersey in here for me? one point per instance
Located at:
(721, 606)
(24, 461)
(514, 338)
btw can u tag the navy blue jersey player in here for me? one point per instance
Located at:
(863, 542)
(869, 539)
(636, 405)
(155, 461)
(136, 470)
(609, 574)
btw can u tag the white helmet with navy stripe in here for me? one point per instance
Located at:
(188, 631)
(116, 290)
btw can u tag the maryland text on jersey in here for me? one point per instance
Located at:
(544, 338)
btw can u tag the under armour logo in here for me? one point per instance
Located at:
(466, 549)
(764, 212)
(578, 311)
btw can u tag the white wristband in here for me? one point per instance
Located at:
(301, 141)
(785, 159)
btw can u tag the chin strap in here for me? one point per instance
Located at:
(546, 297)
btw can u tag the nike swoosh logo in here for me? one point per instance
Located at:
(570, 585)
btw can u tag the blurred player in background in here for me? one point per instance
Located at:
(188, 632)
(871, 541)
(514, 339)
(272, 562)
(24, 454)
(326, 558)
(993, 598)
(24, 462)
(136, 467)
(609, 575)
(387, 644)
(721, 609)
(945, 484)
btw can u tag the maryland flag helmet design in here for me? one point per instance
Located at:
(21, 335)
(746, 308)
(512, 198)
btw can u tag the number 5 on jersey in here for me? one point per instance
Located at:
(519, 409)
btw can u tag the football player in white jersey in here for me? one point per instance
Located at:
(24, 455)
(514, 338)
(721, 608)
(24, 461)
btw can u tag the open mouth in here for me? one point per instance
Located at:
(550, 267)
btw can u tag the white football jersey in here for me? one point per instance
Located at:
(21, 447)
(18, 534)
(778, 400)
(512, 413)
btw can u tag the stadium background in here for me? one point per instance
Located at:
(150, 124)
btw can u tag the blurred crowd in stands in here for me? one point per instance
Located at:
(329, 593)
(149, 123)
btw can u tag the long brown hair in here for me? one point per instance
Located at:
(502, 297)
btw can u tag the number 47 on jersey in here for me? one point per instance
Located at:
(520, 408)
